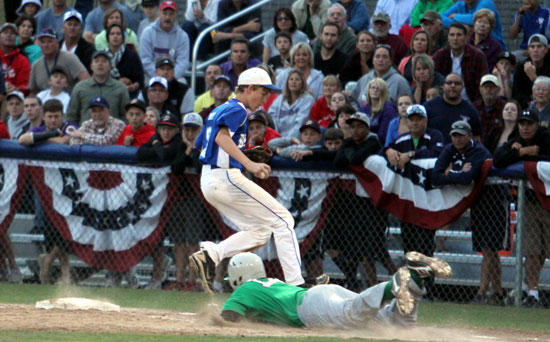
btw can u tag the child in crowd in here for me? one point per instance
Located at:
(337, 100)
(321, 111)
(342, 115)
(162, 147)
(16, 119)
(56, 131)
(504, 70)
(58, 83)
(432, 93)
(187, 224)
(310, 136)
(333, 140)
(283, 43)
(137, 132)
(259, 133)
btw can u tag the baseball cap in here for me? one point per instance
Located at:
(461, 127)
(430, 16)
(490, 78)
(381, 16)
(529, 115)
(164, 61)
(169, 120)
(99, 101)
(311, 124)
(192, 119)
(19, 10)
(72, 14)
(149, 3)
(136, 103)
(359, 117)
(17, 94)
(168, 4)
(417, 109)
(9, 25)
(47, 32)
(257, 76)
(537, 38)
(104, 53)
(257, 117)
(160, 80)
(223, 78)
(507, 55)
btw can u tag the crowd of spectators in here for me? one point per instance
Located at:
(416, 79)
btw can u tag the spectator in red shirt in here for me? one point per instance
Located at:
(259, 133)
(381, 25)
(16, 67)
(137, 132)
(321, 111)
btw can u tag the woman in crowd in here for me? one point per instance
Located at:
(420, 43)
(125, 63)
(291, 109)
(484, 23)
(301, 58)
(321, 111)
(115, 16)
(399, 125)
(489, 216)
(199, 15)
(27, 28)
(283, 20)
(425, 77)
(361, 60)
(379, 109)
(152, 116)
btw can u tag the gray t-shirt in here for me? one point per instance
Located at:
(269, 40)
(66, 61)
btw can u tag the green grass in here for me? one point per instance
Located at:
(433, 314)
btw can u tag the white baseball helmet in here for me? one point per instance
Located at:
(243, 267)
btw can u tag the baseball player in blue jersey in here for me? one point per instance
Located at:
(257, 214)
(270, 300)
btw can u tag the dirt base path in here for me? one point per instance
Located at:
(143, 321)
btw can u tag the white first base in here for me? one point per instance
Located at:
(76, 304)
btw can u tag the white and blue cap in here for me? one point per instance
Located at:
(192, 119)
(72, 14)
(257, 76)
(364, 118)
(417, 109)
(160, 80)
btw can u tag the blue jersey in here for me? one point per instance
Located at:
(233, 115)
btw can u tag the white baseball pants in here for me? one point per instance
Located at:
(256, 213)
(336, 307)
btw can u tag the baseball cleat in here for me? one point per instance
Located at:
(205, 268)
(400, 288)
(426, 267)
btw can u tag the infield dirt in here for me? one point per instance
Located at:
(208, 322)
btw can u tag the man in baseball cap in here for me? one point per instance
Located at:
(490, 105)
(382, 27)
(431, 22)
(536, 64)
(15, 66)
(101, 129)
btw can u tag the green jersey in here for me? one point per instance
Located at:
(268, 300)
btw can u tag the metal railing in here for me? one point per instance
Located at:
(206, 31)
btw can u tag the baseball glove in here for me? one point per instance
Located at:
(259, 154)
